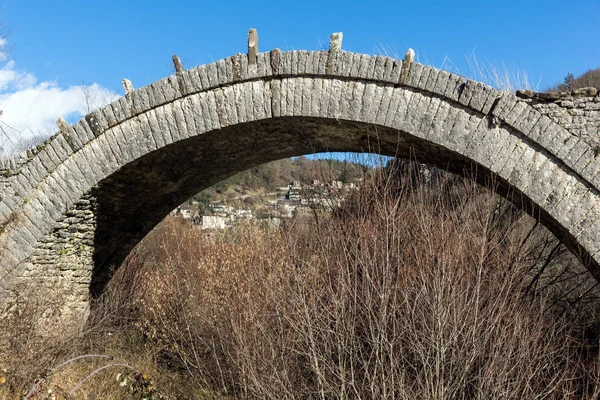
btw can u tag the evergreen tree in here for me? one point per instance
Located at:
(569, 80)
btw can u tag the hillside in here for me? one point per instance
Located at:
(590, 78)
(268, 177)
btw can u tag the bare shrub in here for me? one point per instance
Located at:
(200, 292)
(411, 291)
(24, 352)
(421, 285)
(43, 357)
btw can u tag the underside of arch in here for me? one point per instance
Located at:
(137, 197)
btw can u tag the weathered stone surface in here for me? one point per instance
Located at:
(85, 197)
(409, 58)
(335, 46)
(252, 46)
(127, 86)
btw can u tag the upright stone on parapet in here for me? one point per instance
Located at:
(128, 86)
(276, 61)
(63, 127)
(409, 57)
(252, 46)
(179, 72)
(335, 45)
(177, 64)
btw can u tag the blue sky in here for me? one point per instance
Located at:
(57, 47)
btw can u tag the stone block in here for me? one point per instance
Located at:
(325, 97)
(379, 68)
(316, 97)
(427, 71)
(519, 108)
(307, 91)
(297, 96)
(294, 62)
(414, 75)
(478, 97)
(275, 99)
(163, 123)
(388, 70)
(468, 90)
(384, 106)
(441, 82)
(153, 128)
(222, 77)
(454, 87)
(335, 99)
(404, 101)
(212, 74)
(505, 105)
(258, 102)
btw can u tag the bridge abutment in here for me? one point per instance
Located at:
(55, 280)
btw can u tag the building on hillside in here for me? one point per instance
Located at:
(242, 214)
(185, 211)
(295, 185)
(213, 222)
(293, 195)
(220, 209)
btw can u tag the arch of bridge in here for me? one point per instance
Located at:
(80, 202)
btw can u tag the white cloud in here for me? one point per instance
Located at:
(30, 108)
(3, 55)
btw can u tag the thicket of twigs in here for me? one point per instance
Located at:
(411, 290)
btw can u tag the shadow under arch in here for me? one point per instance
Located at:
(133, 200)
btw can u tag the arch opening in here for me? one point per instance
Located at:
(130, 202)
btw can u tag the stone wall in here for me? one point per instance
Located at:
(59, 272)
(578, 111)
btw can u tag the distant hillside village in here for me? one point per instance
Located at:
(284, 202)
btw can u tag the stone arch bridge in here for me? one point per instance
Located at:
(76, 205)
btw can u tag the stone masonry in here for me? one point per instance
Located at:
(72, 208)
(578, 111)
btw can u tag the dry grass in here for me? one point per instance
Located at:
(507, 78)
(411, 290)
